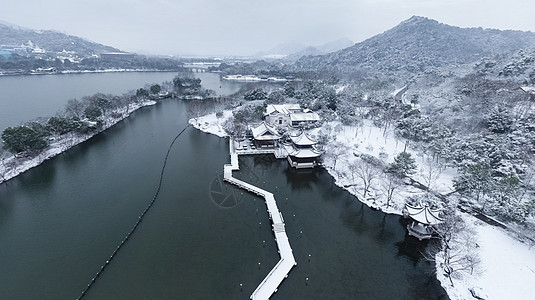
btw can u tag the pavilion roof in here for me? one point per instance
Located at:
(302, 117)
(264, 132)
(302, 152)
(303, 140)
(282, 108)
(424, 214)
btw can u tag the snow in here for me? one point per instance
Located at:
(248, 78)
(508, 265)
(211, 123)
(12, 166)
(371, 140)
(397, 91)
(528, 89)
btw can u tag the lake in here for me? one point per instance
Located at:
(202, 238)
(25, 98)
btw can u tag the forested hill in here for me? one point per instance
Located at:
(49, 40)
(418, 44)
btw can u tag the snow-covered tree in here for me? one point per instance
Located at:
(403, 165)
(499, 120)
(475, 181)
(455, 251)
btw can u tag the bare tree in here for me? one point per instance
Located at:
(5, 168)
(195, 109)
(335, 152)
(455, 251)
(234, 128)
(74, 108)
(430, 173)
(368, 173)
(389, 184)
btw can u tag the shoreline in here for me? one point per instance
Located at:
(520, 257)
(18, 166)
(67, 72)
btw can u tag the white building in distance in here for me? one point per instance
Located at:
(289, 115)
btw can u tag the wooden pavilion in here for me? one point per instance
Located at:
(302, 151)
(423, 220)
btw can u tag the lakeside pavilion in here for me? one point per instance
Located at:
(423, 220)
(302, 151)
(265, 136)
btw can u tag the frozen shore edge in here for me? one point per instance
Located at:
(21, 165)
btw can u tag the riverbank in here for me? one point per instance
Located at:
(11, 166)
(498, 251)
(24, 73)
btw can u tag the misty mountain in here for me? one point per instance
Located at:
(418, 44)
(321, 49)
(293, 50)
(50, 40)
(282, 49)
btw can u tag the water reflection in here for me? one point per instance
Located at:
(345, 249)
(411, 248)
(61, 228)
(302, 178)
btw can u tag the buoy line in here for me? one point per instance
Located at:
(103, 267)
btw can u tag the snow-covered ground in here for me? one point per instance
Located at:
(211, 123)
(249, 78)
(508, 266)
(12, 166)
(349, 142)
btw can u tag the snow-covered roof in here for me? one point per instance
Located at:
(264, 132)
(302, 153)
(282, 108)
(528, 89)
(303, 140)
(302, 117)
(424, 214)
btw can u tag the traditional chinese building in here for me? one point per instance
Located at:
(423, 220)
(265, 136)
(302, 151)
(289, 115)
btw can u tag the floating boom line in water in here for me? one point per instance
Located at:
(139, 219)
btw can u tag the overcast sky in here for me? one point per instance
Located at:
(242, 27)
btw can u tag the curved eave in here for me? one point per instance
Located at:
(423, 214)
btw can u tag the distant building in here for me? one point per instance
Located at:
(289, 115)
(302, 151)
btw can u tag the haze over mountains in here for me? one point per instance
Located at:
(293, 50)
(49, 40)
(420, 43)
(415, 45)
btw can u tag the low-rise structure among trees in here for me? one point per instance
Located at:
(289, 115)
(265, 136)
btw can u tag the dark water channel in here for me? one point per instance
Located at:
(60, 222)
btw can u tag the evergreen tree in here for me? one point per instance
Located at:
(499, 120)
(403, 165)
(474, 180)
(23, 140)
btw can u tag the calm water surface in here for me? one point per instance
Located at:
(60, 222)
(25, 98)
